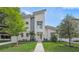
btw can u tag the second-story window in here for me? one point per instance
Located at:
(21, 34)
(39, 24)
(27, 34)
(26, 22)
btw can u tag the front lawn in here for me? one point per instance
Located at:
(23, 47)
(59, 47)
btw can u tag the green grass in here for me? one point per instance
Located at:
(23, 47)
(59, 47)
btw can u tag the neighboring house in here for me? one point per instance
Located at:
(76, 25)
(49, 30)
(4, 36)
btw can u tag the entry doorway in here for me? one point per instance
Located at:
(39, 36)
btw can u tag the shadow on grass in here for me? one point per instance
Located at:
(60, 47)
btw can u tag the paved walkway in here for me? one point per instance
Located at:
(39, 47)
(5, 43)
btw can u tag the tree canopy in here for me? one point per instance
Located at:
(67, 28)
(14, 20)
(68, 25)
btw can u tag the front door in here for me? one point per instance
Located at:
(39, 36)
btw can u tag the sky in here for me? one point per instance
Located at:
(54, 15)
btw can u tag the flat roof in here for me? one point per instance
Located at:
(50, 27)
(40, 11)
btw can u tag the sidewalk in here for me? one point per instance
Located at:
(5, 43)
(39, 47)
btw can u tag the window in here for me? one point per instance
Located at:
(27, 34)
(5, 37)
(32, 17)
(26, 22)
(39, 24)
(21, 34)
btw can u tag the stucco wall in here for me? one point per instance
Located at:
(39, 17)
(48, 33)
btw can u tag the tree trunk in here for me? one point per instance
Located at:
(69, 41)
(17, 43)
(69, 34)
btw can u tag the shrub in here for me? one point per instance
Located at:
(45, 40)
(76, 41)
(32, 39)
(53, 38)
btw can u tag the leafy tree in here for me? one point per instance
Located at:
(14, 21)
(2, 20)
(67, 28)
(53, 37)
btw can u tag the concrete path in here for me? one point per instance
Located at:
(39, 47)
(5, 43)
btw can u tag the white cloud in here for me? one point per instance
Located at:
(26, 12)
(70, 8)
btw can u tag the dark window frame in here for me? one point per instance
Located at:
(27, 34)
(40, 24)
(22, 35)
(27, 22)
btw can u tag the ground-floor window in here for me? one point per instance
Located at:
(27, 34)
(40, 34)
(21, 34)
(5, 37)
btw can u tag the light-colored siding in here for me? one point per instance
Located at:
(48, 33)
(40, 17)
